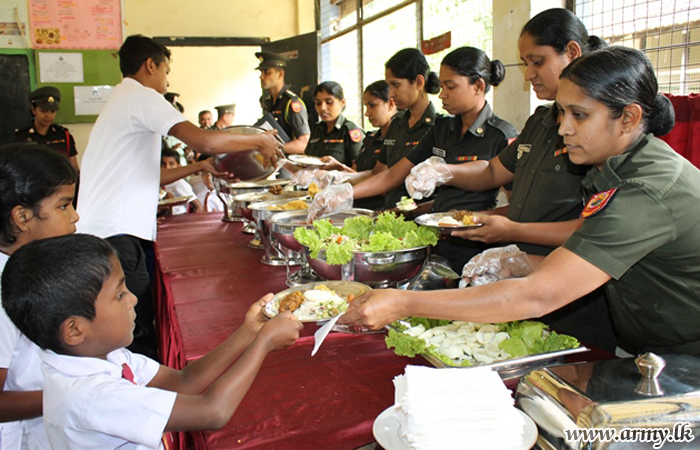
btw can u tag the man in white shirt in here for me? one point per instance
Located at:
(121, 172)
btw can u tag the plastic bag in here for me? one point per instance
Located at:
(496, 264)
(426, 176)
(333, 199)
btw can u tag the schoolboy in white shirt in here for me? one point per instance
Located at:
(121, 175)
(68, 295)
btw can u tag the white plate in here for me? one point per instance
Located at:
(306, 160)
(342, 288)
(176, 201)
(386, 431)
(432, 220)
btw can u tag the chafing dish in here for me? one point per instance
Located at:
(242, 201)
(274, 256)
(377, 269)
(283, 226)
(227, 192)
(617, 395)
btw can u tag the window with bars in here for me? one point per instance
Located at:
(359, 36)
(668, 31)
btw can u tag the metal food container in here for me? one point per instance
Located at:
(283, 226)
(242, 201)
(377, 269)
(274, 256)
(228, 190)
(638, 398)
(246, 165)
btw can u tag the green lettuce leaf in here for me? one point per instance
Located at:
(325, 228)
(339, 253)
(358, 227)
(514, 347)
(381, 241)
(405, 345)
(309, 237)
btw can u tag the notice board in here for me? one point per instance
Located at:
(100, 68)
(82, 24)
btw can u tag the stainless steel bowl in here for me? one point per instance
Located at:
(247, 164)
(284, 224)
(274, 256)
(227, 192)
(377, 269)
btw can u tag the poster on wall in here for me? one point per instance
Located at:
(60, 67)
(13, 26)
(89, 100)
(84, 24)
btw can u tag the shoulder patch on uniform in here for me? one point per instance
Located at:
(597, 203)
(356, 135)
(296, 106)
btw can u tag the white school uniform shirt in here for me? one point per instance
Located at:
(120, 171)
(20, 357)
(211, 202)
(180, 188)
(87, 403)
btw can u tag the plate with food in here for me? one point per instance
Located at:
(176, 201)
(306, 160)
(506, 347)
(448, 221)
(314, 302)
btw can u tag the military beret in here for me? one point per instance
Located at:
(269, 59)
(47, 97)
(223, 109)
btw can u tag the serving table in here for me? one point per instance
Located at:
(206, 278)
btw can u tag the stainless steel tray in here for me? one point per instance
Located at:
(517, 367)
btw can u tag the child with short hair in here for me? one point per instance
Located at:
(37, 188)
(170, 159)
(68, 295)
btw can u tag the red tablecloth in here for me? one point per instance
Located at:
(207, 277)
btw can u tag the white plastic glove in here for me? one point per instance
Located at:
(426, 176)
(304, 178)
(333, 199)
(331, 178)
(496, 264)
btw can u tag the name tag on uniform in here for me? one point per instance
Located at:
(389, 142)
(312, 141)
(523, 148)
(439, 152)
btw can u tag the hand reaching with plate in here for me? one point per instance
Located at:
(426, 176)
(331, 200)
(333, 164)
(495, 229)
(255, 318)
(208, 166)
(280, 332)
(375, 309)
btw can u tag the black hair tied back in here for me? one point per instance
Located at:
(662, 117)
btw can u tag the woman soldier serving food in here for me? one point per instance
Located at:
(638, 236)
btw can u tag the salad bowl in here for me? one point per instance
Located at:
(376, 269)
